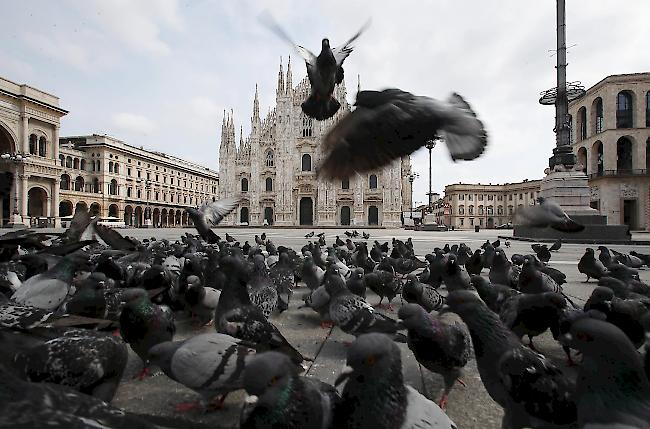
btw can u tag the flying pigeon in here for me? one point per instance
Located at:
(547, 213)
(282, 398)
(211, 364)
(211, 214)
(375, 395)
(390, 124)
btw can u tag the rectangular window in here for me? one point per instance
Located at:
(139, 174)
(470, 197)
(471, 221)
(128, 172)
(480, 197)
(462, 221)
(521, 196)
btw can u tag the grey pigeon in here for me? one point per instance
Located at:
(503, 271)
(542, 252)
(325, 71)
(202, 300)
(612, 390)
(357, 282)
(88, 361)
(590, 266)
(211, 214)
(283, 279)
(423, 294)
(352, 313)
(547, 213)
(557, 245)
(375, 395)
(47, 290)
(384, 284)
(319, 301)
(260, 287)
(311, 273)
(440, 343)
(456, 276)
(211, 364)
(495, 296)
(392, 123)
(532, 391)
(282, 398)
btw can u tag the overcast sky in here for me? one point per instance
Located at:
(159, 73)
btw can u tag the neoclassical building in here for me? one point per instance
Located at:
(101, 173)
(611, 137)
(29, 125)
(274, 170)
(465, 205)
(115, 179)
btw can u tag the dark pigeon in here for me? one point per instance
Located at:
(441, 344)
(547, 213)
(375, 395)
(590, 266)
(494, 295)
(283, 280)
(282, 398)
(384, 284)
(557, 245)
(357, 282)
(392, 123)
(211, 214)
(202, 300)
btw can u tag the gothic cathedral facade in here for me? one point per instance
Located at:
(273, 170)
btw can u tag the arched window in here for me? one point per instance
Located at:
(582, 123)
(345, 184)
(68, 162)
(597, 157)
(79, 184)
(499, 210)
(110, 166)
(33, 144)
(470, 210)
(372, 181)
(62, 160)
(647, 109)
(42, 147)
(269, 184)
(244, 185)
(306, 162)
(112, 188)
(116, 168)
(307, 129)
(461, 210)
(82, 165)
(75, 163)
(96, 188)
(269, 158)
(243, 215)
(65, 182)
(582, 159)
(624, 110)
(599, 122)
(624, 154)
(129, 192)
(99, 166)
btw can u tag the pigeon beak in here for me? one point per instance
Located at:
(251, 399)
(345, 374)
(400, 324)
(566, 339)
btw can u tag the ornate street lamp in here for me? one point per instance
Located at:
(430, 145)
(412, 176)
(15, 158)
(148, 222)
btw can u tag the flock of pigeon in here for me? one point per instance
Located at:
(72, 303)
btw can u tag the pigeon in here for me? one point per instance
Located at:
(441, 344)
(612, 389)
(357, 283)
(260, 287)
(352, 313)
(365, 235)
(339, 242)
(502, 271)
(547, 213)
(532, 391)
(319, 301)
(309, 235)
(488, 255)
(202, 300)
(590, 266)
(384, 284)
(474, 265)
(211, 214)
(389, 124)
(230, 238)
(646, 326)
(494, 295)
(375, 395)
(532, 280)
(48, 290)
(532, 314)
(283, 280)
(144, 324)
(542, 252)
(423, 294)
(282, 398)
(211, 364)
(39, 405)
(455, 276)
(556, 246)
(90, 362)
(644, 257)
(628, 260)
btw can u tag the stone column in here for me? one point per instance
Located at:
(55, 203)
(25, 135)
(55, 144)
(23, 198)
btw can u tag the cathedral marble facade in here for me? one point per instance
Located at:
(273, 169)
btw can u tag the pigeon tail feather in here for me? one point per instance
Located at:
(320, 109)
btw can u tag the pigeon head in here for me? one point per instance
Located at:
(325, 45)
(599, 339)
(358, 273)
(554, 299)
(589, 251)
(601, 294)
(540, 200)
(412, 316)
(133, 295)
(371, 356)
(463, 301)
(267, 375)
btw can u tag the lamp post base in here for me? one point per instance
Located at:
(16, 222)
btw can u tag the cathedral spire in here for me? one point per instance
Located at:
(289, 84)
(241, 136)
(280, 89)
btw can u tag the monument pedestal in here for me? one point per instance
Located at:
(16, 222)
(569, 188)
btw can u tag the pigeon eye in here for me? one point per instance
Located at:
(273, 381)
(370, 360)
(584, 337)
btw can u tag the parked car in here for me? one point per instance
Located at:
(505, 226)
(111, 221)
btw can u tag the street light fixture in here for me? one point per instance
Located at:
(15, 158)
(412, 176)
(430, 145)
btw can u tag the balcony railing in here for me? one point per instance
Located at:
(621, 172)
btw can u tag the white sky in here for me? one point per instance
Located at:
(159, 73)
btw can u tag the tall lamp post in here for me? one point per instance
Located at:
(412, 177)
(430, 145)
(15, 158)
(148, 222)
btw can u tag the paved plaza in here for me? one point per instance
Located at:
(469, 407)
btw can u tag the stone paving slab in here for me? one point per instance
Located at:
(469, 407)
